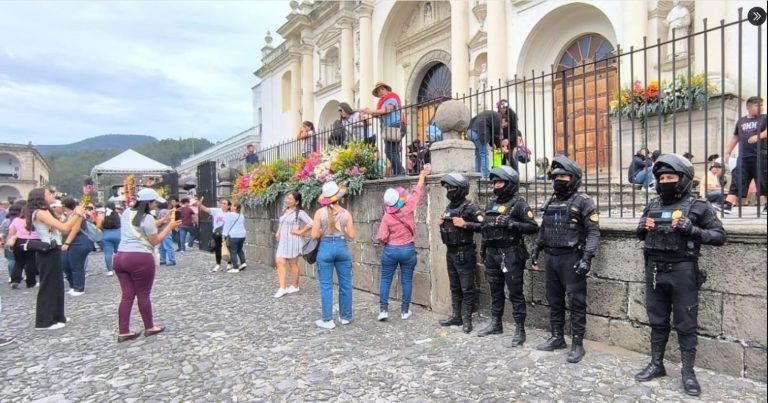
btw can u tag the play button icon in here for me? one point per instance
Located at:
(756, 16)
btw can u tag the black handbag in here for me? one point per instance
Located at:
(211, 245)
(36, 245)
(309, 250)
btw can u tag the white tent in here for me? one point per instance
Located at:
(130, 162)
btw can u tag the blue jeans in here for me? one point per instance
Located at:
(236, 253)
(392, 151)
(167, 253)
(715, 196)
(74, 262)
(643, 177)
(333, 253)
(11, 260)
(405, 256)
(481, 153)
(109, 244)
(183, 232)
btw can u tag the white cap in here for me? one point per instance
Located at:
(149, 194)
(391, 196)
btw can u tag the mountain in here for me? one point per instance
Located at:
(106, 142)
(68, 169)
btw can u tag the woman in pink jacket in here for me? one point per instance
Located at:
(396, 232)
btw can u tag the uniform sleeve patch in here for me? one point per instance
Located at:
(530, 214)
(677, 214)
(480, 218)
(594, 218)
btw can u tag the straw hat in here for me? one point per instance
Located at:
(332, 193)
(380, 84)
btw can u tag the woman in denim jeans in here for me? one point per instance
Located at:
(396, 233)
(109, 222)
(333, 226)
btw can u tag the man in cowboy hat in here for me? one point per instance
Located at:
(388, 110)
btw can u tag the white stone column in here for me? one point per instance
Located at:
(459, 48)
(633, 34)
(497, 41)
(295, 94)
(365, 11)
(307, 84)
(713, 11)
(347, 60)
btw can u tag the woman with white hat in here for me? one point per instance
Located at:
(397, 232)
(333, 226)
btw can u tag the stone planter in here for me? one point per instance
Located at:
(701, 132)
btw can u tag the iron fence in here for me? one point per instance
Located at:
(599, 112)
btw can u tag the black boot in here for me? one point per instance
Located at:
(690, 384)
(655, 368)
(455, 319)
(494, 327)
(577, 349)
(519, 338)
(467, 319)
(556, 342)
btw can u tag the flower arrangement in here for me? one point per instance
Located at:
(680, 94)
(349, 166)
(129, 189)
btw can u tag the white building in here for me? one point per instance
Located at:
(335, 51)
(230, 152)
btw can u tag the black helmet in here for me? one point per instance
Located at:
(677, 164)
(457, 181)
(506, 174)
(561, 165)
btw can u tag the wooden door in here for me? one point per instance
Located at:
(588, 131)
(423, 116)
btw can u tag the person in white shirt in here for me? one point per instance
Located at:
(217, 217)
(234, 233)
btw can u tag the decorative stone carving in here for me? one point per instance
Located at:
(451, 118)
(679, 21)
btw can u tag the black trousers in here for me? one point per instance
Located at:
(747, 169)
(509, 258)
(674, 291)
(218, 241)
(561, 282)
(50, 296)
(461, 262)
(25, 261)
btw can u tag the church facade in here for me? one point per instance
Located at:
(335, 51)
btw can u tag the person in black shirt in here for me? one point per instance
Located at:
(752, 163)
(485, 128)
(251, 157)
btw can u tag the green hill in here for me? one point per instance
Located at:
(68, 169)
(120, 142)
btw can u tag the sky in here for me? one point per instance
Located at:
(70, 69)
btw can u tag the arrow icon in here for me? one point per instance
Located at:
(756, 16)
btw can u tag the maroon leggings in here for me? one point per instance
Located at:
(136, 273)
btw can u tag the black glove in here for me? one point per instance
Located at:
(685, 225)
(583, 266)
(502, 221)
(641, 225)
(535, 256)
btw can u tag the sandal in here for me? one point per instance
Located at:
(151, 332)
(130, 336)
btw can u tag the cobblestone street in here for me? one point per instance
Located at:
(228, 339)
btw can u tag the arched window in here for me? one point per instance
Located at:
(436, 83)
(586, 49)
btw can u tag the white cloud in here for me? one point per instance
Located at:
(71, 70)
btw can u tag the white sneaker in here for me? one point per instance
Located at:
(216, 268)
(76, 293)
(383, 315)
(229, 266)
(233, 271)
(405, 315)
(242, 266)
(280, 292)
(110, 273)
(344, 321)
(292, 290)
(71, 290)
(57, 325)
(329, 324)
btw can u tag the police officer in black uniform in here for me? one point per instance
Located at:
(570, 232)
(458, 225)
(507, 219)
(674, 226)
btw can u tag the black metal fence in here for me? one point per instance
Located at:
(599, 112)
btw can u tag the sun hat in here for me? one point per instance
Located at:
(394, 199)
(149, 194)
(332, 193)
(380, 84)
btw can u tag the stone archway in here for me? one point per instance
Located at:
(420, 70)
(10, 166)
(430, 81)
(9, 193)
(328, 115)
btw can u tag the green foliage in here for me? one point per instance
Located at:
(104, 142)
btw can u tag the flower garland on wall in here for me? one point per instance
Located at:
(349, 166)
(679, 95)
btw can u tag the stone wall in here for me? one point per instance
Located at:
(732, 311)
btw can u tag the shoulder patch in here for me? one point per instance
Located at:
(480, 218)
(594, 218)
(530, 214)
(501, 208)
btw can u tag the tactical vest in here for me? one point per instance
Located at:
(493, 233)
(452, 235)
(560, 225)
(663, 240)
